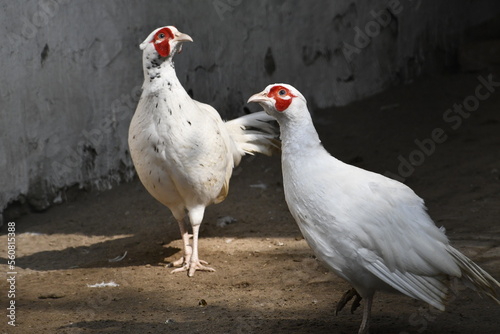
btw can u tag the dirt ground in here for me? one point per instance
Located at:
(267, 280)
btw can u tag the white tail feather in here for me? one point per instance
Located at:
(475, 277)
(253, 133)
(435, 290)
(432, 290)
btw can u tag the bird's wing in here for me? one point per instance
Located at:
(209, 110)
(379, 215)
(396, 240)
(387, 218)
(228, 145)
(433, 290)
(385, 228)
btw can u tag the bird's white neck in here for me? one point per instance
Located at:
(159, 73)
(298, 135)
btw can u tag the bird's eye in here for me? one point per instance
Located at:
(161, 35)
(282, 92)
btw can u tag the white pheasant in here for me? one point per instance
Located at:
(183, 152)
(370, 230)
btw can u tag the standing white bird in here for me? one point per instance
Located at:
(370, 230)
(183, 152)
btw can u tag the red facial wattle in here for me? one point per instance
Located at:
(282, 100)
(161, 41)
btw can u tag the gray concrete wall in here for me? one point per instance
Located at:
(71, 70)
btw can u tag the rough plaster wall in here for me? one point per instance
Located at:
(71, 70)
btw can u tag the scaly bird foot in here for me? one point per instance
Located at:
(199, 266)
(184, 260)
(346, 298)
(177, 263)
(192, 267)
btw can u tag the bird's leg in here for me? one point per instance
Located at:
(191, 262)
(367, 310)
(195, 218)
(196, 263)
(184, 260)
(355, 304)
(348, 295)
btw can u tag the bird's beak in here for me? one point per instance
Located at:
(180, 37)
(259, 97)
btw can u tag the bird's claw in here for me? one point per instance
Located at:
(356, 303)
(199, 266)
(181, 269)
(346, 297)
(177, 263)
(192, 267)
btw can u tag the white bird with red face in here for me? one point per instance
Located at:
(183, 152)
(370, 230)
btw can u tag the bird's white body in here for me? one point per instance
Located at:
(183, 152)
(181, 149)
(362, 224)
(370, 230)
